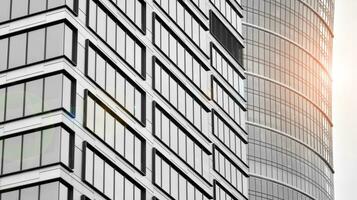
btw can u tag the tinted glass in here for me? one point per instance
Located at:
(13, 195)
(48, 190)
(31, 150)
(53, 92)
(54, 41)
(12, 155)
(36, 46)
(3, 53)
(19, 8)
(37, 5)
(17, 50)
(51, 146)
(30, 193)
(14, 102)
(5, 10)
(33, 99)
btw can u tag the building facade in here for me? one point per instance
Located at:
(288, 61)
(122, 99)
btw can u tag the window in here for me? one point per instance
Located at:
(168, 131)
(54, 189)
(186, 59)
(229, 104)
(129, 48)
(178, 8)
(22, 8)
(229, 136)
(31, 94)
(230, 13)
(174, 179)
(134, 10)
(115, 132)
(60, 42)
(124, 91)
(231, 172)
(226, 38)
(108, 173)
(227, 70)
(36, 148)
(222, 193)
(179, 105)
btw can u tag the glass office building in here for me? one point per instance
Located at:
(124, 100)
(288, 60)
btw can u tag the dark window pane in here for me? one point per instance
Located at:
(50, 146)
(17, 50)
(31, 150)
(3, 53)
(12, 155)
(53, 92)
(13, 195)
(19, 8)
(30, 193)
(49, 191)
(54, 41)
(14, 102)
(37, 6)
(55, 3)
(4, 10)
(36, 46)
(33, 99)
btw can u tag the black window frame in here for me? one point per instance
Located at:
(88, 45)
(71, 113)
(105, 159)
(72, 60)
(142, 75)
(88, 94)
(184, 130)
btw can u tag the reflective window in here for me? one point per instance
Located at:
(36, 98)
(177, 8)
(228, 103)
(115, 132)
(178, 139)
(186, 61)
(197, 119)
(125, 91)
(36, 148)
(102, 169)
(230, 13)
(134, 10)
(54, 190)
(128, 47)
(227, 70)
(230, 171)
(168, 178)
(226, 38)
(59, 43)
(21, 8)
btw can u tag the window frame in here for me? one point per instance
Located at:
(106, 160)
(74, 46)
(88, 94)
(61, 125)
(179, 127)
(96, 50)
(71, 113)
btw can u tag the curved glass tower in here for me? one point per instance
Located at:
(288, 61)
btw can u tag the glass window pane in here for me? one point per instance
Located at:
(120, 89)
(92, 15)
(50, 146)
(129, 51)
(37, 6)
(31, 150)
(12, 155)
(67, 94)
(5, 10)
(65, 146)
(129, 101)
(17, 50)
(110, 80)
(2, 104)
(109, 181)
(109, 129)
(120, 138)
(19, 8)
(68, 42)
(36, 46)
(102, 26)
(55, 3)
(13, 195)
(98, 173)
(119, 186)
(49, 191)
(33, 99)
(120, 42)
(99, 121)
(14, 102)
(3, 53)
(53, 92)
(63, 192)
(91, 63)
(30, 193)
(111, 32)
(100, 72)
(54, 41)
(129, 146)
(89, 166)
(129, 190)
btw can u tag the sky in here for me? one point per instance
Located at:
(345, 99)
